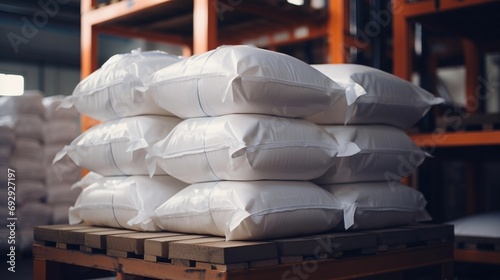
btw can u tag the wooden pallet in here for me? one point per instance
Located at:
(477, 243)
(477, 249)
(164, 255)
(214, 253)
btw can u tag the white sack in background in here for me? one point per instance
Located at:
(379, 204)
(50, 151)
(246, 147)
(24, 239)
(387, 153)
(28, 103)
(28, 148)
(123, 202)
(54, 112)
(28, 169)
(117, 89)
(65, 171)
(5, 153)
(33, 214)
(30, 191)
(374, 97)
(119, 147)
(60, 131)
(62, 193)
(24, 125)
(60, 213)
(242, 79)
(250, 210)
(7, 135)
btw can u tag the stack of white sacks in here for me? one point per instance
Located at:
(60, 128)
(119, 187)
(24, 115)
(249, 146)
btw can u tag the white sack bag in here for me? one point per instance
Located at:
(245, 147)
(7, 135)
(28, 169)
(379, 204)
(374, 97)
(28, 148)
(87, 180)
(386, 153)
(28, 103)
(34, 214)
(24, 125)
(30, 191)
(60, 213)
(54, 112)
(119, 147)
(5, 153)
(242, 79)
(118, 88)
(250, 210)
(60, 131)
(123, 202)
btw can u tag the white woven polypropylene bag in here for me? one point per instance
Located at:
(60, 131)
(374, 97)
(119, 147)
(118, 88)
(242, 79)
(379, 204)
(246, 147)
(28, 103)
(250, 210)
(24, 125)
(54, 112)
(123, 201)
(386, 153)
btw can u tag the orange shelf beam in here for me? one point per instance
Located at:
(457, 139)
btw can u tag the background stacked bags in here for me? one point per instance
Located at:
(248, 145)
(31, 132)
(60, 128)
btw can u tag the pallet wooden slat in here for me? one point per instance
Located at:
(317, 245)
(97, 240)
(159, 246)
(133, 242)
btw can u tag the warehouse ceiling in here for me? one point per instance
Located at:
(44, 31)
